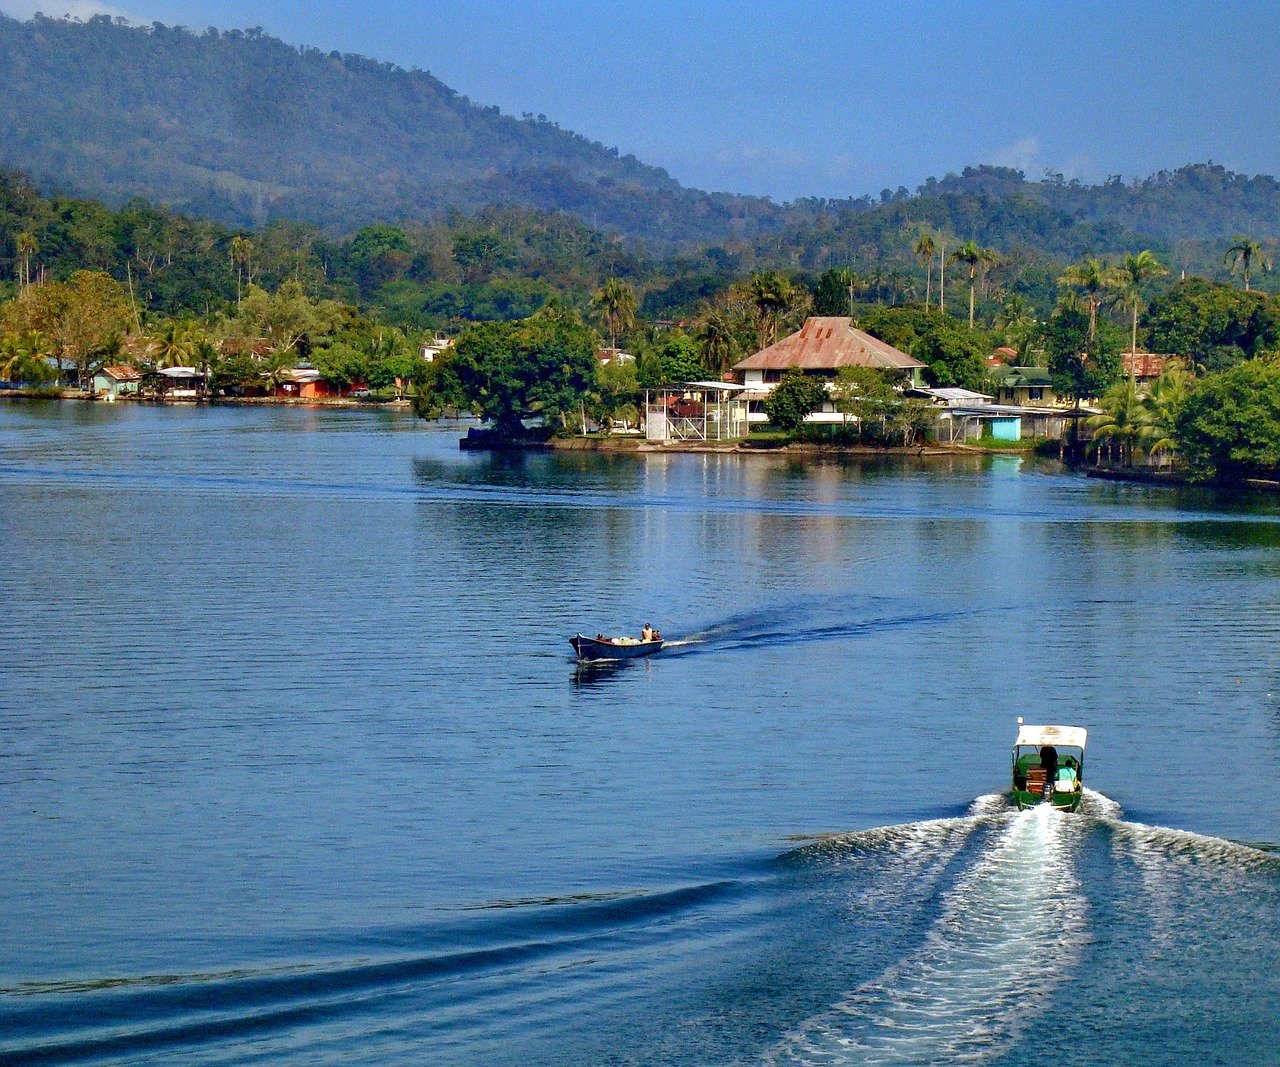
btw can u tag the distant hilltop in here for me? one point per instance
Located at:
(242, 128)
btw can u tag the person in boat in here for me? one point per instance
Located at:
(648, 633)
(1049, 761)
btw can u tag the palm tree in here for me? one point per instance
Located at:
(1164, 402)
(1123, 420)
(12, 354)
(771, 294)
(1018, 319)
(1131, 274)
(172, 346)
(715, 336)
(1091, 278)
(942, 273)
(616, 302)
(242, 260)
(925, 249)
(976, 259)
(1244, 252)
(26, 246)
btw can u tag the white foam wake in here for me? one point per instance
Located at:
(1008, 934)
(910, 858)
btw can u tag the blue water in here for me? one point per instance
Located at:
(295, 766)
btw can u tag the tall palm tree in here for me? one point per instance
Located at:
(1243, 253)
(1132, 273)
(942, 273)
(976, 259)
(771, 295)
(26, 246)
(1122, 421)
(242, 260)
(616, 302)
(1091, 278)
(925, 249)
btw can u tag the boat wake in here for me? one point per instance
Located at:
(832, 618)
(1003, 941)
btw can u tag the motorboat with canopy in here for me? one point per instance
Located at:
(1048, 766)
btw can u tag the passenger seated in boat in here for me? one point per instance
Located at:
(1049, 762)
(647, 633)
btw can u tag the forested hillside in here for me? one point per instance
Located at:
(244, 129)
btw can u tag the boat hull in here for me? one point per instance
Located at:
(1023, 798)
(590, 649)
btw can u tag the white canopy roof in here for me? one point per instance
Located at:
(713, 387)
(1037, 736)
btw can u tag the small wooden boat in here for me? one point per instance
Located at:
(1048, 766)
(601, 647)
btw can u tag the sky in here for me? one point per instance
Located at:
(809, 98)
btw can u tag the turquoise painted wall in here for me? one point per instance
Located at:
(1007, 429)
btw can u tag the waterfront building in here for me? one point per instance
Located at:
(117, 380)
(695, 411)
(1023, 386)
(824, 345)
(305, 383)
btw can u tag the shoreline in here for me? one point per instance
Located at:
(637, 445)
(1175, 480)
(343, 402)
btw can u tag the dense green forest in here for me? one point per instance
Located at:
(531, 294)
(244, 129)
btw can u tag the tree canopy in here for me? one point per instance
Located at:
(508, 372)
(1229, 426)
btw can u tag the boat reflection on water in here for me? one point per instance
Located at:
(590, 674)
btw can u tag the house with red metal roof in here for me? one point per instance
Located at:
(822, 347)
(1144, 366)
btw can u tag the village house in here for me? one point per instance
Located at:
(430, 350)
(305, 383)
(1146, 367)
(605, 356)
(180, 383)
(823, 346)
(116, 380)
(1023, 386)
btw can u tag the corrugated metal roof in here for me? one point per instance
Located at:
(122, 373)
(829, 343)
(300, 375)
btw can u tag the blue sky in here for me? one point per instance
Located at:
(827, 99)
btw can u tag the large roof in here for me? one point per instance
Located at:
(1037, 736)
(829, 343)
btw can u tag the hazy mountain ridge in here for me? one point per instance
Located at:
(243, 128)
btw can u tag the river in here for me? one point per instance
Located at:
(296, 767)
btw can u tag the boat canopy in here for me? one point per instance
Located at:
(1039, 736)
